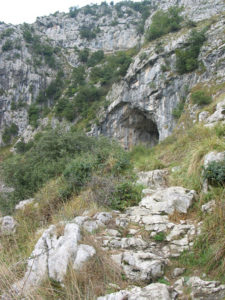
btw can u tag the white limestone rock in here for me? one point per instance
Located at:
(84, 252)
(169, 200)
(218, 115)
(136, 243)
(142, 266)
(153, 179)
(8, 225)
(213, 156)
(208, 207)
(103, 217)
(22, 204)
(154, 291)
(178, 271)
(203, 116)
(52, 255)
(206, 290)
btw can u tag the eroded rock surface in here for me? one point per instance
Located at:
(155, 291)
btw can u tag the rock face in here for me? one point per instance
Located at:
(168, 200)
(206, 290)
(52, 255)
(141, 105)
(155, 291)
(153, 179)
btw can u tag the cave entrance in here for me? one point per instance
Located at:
(138, 129)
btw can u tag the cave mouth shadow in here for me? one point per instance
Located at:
(139, 129)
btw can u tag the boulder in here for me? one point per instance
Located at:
(153, 179)
(141, 266)
(203, 116)
(53, 254)
(8, 225)
(213, 156)
(22, 204)
(154, 291)
(206, 290)
(169, 200)
(218, 115)
(178, 271)
(208, 207)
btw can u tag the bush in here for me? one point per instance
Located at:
(57, 152)
(9, 132)
(87, 33)
(159, 237)
(95, 58)
(164, 22)
(7, 33)
(126, 194)
(187, 59)
(215, 173)
(83, 55)
(177, 112)
(73, 12)
(79, 171)
(7, 46)
(201, 98)
(33, 115)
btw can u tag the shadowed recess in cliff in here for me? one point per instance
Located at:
(139, 128)
(131, 126)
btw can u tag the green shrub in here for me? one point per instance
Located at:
(215, 172)
(126, 194)
(27, 33)
(164, 22)
(7, 33)
(22, 147)
(187, 59)
(177, 112)
(9, 132)
(95, 58)
(87, 33)
(73, 12)
(159, 237)
(115, 67)
(79, 171)
(33, 115)
(57, 152)
(83, 55)
(78, 74)
(201, 98)
(8, 45)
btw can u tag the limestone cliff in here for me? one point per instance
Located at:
(141, 104)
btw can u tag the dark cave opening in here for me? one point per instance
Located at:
(138, 128)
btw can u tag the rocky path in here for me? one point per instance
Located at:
(142, 241)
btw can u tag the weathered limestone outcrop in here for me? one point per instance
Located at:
(154, 291)
(141, 104)
(52, 255)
